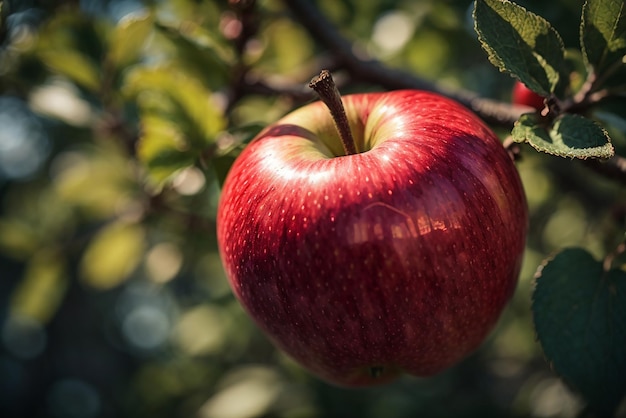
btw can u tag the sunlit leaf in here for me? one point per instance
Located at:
(180, 119)
(287, 47)
(73, 65)
(579, 310)
(163, 149)
(112, 255)
(569, 135)
(603, 36)
(522, 43)
(73, 45)
(41, 290)
(129, 37)
(97, 181)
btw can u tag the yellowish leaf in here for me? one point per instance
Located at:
(17, 238)
(113, 255)
(99, 183)
(129, 37)
(39, 294)
(73, 65)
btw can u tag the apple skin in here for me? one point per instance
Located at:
(522, 95)
(397, 259)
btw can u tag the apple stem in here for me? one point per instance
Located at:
(325, 87)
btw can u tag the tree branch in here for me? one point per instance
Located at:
(372, 71)
(369, 70)
(256, 85)
(614, 167)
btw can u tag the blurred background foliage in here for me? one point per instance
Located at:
(119, 119)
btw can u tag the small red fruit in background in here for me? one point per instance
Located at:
(399, 258)
(522, 95)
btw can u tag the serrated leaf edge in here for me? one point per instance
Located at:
(495, 59)
(581, 154)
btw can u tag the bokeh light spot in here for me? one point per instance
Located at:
(248, 392)
(23, 337)
(189, 181)
(392, 31)
(163, 262)
(201, 330)
(73, 398)
(60, 101)
(24, 143)
(146, 327)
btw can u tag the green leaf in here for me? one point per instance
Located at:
(569, 135)
(579, 311)
(162, 149)
(523, 44)
(75, 66)
(289, 48)
(603, 35)
(229, 149)
(72, 45)
(18, 239)
(40, 292)
(112, 255)
(94, 180)
(180, 119)
(129, 38)
(199, 52)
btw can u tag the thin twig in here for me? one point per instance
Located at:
(298, 92)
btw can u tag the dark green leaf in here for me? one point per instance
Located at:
(72, 46)
(603, 35)
(229, 150)
(199, 53)
(523, 44)
(569, 135)
(221, 167)
(165, 161)
(579, 312)
(242, 135)
(529, 129)
(583, 136)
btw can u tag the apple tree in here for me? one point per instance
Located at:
(120, 120)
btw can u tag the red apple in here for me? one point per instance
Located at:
(522, 95)
(399, 258)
